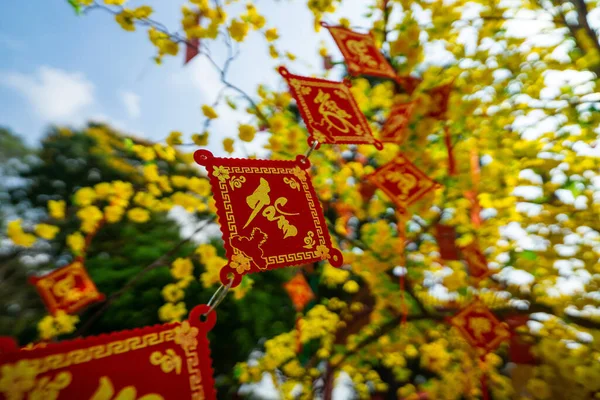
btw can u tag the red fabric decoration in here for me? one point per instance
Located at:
(7, 345)
(327, 62)
(439, 101)
(451, 160)
(68, 288)
(329, 111)
(402, 181)
(409, 83)
(192, 48)
(360, 52)
(269, 213)
(299, 291)
(519, 350)
(394, 130)
(480, 327)
(171, 361)
(476, 262)
(446, 236)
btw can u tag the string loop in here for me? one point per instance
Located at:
(218, 297)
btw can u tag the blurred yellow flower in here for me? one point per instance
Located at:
(138, 215)
(46, 231)
(209, 112)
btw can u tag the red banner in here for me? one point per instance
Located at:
(409, 83)
(360, 52)
(192, 47)
(519, 350)
(476, 262)
(394, 130)
(68, 288)
(329, 111)
(480, 327)
(446, 239)
(403, 182)
(162, 362)
(269, 213)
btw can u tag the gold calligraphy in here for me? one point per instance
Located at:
(479, 326)
(106, 391)
(236, 182)
(359, 49)
(309, 241)
(260, 200)
(333, 114)
(406, 182)
(168, 362)
(64, 286)
(292, 183)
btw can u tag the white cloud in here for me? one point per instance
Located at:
(131, 101)
(55, 94)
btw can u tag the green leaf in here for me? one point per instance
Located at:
(76, 6)
(128, 143)
(462, 291)
(528, 255)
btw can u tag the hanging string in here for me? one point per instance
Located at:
(218, 297)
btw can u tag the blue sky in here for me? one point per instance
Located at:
(60, 68)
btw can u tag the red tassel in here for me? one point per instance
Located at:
(484, 389)
(298, 329)
(402, 237)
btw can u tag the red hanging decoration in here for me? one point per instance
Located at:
(7, 345)
(299, 291)
(445, 236)
(409, 83)
(361, 53)
(471, 195)
(394, 130)
(269, 213)
(519, 350)
(402, 238)
(451, 160)
(192, 48)
(68, 288)
(403, 182)
(327, 62)
(480, 327)
(476, 262)
(329, 111)
(170, 361)
(439, 101)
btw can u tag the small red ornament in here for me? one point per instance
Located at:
(480, 327)
(402, 181)
(394, 129)
(360, 52)
(192, 47)
(269, 213)
(327, 62)
(476, 262)
(446, 236)
(329, 111)
(409, 83)
(170, 361)
(299, 291)
(68, 288)
(439, 101)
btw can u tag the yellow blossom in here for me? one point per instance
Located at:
(138, 215)
(46, 231)
(209, 112)
(271, 34)
(200, 139)
(238, 30)
(76, 242)
(174, 138)
(18, 236)
(84, 196)
(56, 208)
(182, 268)
(246, 132)
(228, 145)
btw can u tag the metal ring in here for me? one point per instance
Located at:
(218, 297)
(312, 148)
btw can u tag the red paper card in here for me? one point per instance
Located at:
(360, 52)
(476, 262)
(402, 181)
(192, 47)
(269, 213)
(68, 288)
(409, 83)
(299, 291)
(446, 236)
(394, 130)
(7, 345)
(329, 111)
(439, 101)
(163, 362)
(480, 327)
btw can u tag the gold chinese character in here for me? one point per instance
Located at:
(405, 182)
(260, 198)
(359, 49)
(479, 326)
(64, 286)
(330, 110)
